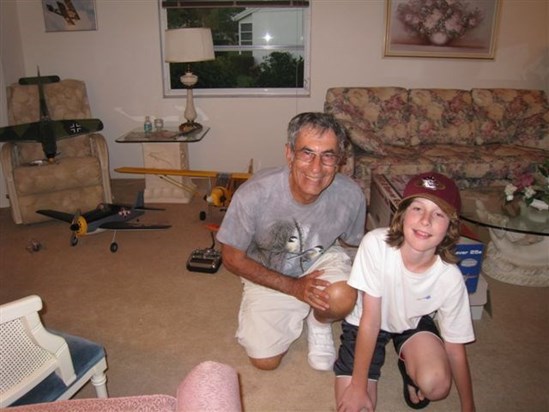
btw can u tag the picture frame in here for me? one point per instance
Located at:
(69, 15)
(441, 28)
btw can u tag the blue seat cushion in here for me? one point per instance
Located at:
(84, 353)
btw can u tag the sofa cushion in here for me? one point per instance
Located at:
(365, 139)
(510, 115)
(443, 116)
(470, 166)
(379, 115)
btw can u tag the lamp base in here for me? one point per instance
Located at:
(188, 127)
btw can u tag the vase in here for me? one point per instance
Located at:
(512, 207)
(439, 39)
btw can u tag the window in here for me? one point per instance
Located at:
(261, 47)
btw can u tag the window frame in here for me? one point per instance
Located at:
(304, 91)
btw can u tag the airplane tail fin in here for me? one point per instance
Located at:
(140, 202)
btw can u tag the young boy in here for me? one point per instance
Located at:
(405, 274)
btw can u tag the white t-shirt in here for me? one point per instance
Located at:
(283, 235)
(406, 296)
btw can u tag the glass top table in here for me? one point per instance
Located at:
(165, 135)
(484, 207)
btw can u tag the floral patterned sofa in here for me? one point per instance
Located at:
(479, 137)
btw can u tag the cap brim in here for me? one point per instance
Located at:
(446, 208)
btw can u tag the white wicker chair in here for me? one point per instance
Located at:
(37, 365)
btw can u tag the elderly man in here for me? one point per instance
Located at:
(281, 235)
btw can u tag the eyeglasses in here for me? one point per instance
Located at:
(326, 158)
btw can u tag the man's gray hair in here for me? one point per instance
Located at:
(318, 121)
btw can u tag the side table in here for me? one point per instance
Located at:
(166, 149)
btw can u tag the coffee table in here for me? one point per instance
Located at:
(518, 251)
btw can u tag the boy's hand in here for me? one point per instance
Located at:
(355, 399)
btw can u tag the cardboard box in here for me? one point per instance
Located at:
(470, 252)
(480, 300)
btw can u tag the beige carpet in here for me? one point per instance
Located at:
(157, 320)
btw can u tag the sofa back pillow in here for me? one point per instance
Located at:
(373, 116)
(511, 115)
(441, 116)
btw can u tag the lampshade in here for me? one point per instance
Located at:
(188, 45)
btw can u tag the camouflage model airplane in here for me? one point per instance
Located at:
(47, 131)
(106, 216)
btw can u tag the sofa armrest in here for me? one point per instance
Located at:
(210, 386)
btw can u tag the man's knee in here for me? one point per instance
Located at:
(267, 364)
(342, 301)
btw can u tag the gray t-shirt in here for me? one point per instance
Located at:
(264, 220)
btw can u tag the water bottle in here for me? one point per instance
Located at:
(147, 126)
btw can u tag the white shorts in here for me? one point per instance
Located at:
(269, 321)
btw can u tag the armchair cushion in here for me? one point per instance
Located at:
(85, 355)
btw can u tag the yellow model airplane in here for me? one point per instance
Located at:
(222, 185)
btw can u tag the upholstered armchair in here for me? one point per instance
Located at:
(77, 179)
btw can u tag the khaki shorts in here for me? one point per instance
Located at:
(269, 321)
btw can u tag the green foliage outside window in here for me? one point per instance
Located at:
(235, 68)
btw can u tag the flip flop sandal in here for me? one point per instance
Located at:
(408, 382)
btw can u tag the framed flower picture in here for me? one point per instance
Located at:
(69, 15)
(442, 28)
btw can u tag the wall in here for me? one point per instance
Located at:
(120, 63)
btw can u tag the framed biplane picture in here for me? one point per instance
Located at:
(69, 15)
(442, 28)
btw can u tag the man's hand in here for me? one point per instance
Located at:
(310, 289)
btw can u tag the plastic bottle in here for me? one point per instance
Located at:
(147, 126)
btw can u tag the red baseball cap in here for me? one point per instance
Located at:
(436, 187)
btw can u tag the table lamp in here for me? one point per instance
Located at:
(189, 45)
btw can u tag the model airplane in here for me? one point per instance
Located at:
(47, 131)
(65, 10)
(106, 216)
(222, 185)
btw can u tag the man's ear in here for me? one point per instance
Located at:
(289, 154)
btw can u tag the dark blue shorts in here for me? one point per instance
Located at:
(343, 366)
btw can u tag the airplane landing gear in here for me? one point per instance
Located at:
(114, 245)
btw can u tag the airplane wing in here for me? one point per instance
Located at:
(61, 129)
(69, 128)
(131, 226)
(65, 217)
(181, 172)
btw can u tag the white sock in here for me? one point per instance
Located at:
(313, 321)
